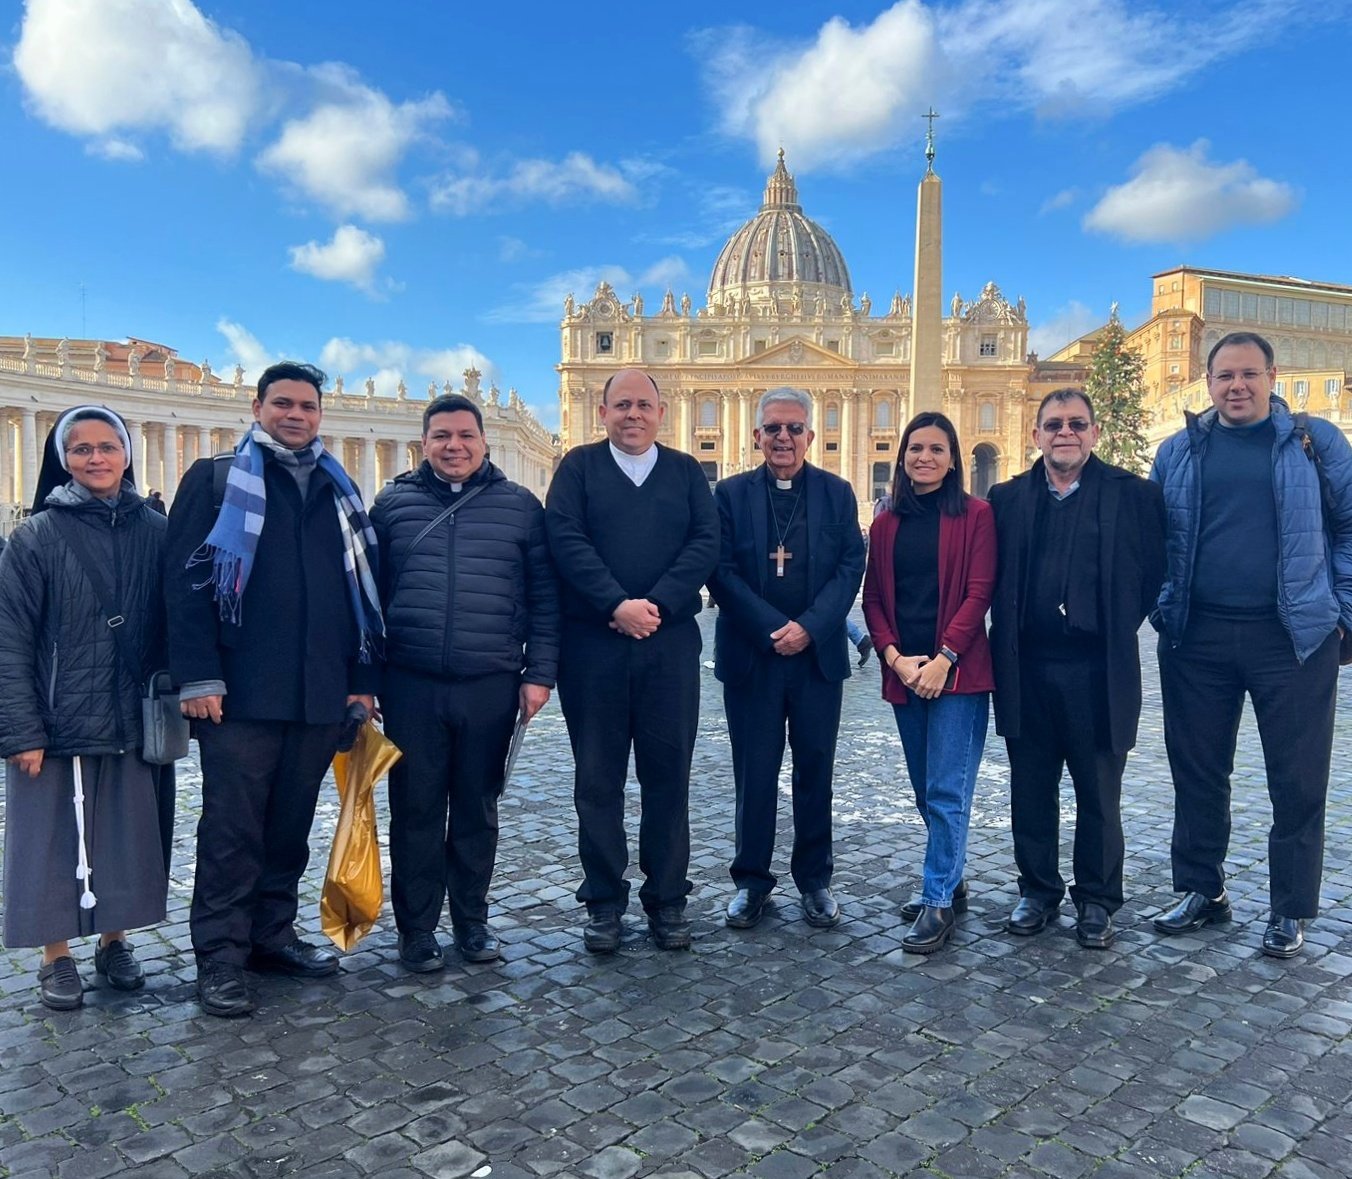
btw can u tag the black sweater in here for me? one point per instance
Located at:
(612, 541)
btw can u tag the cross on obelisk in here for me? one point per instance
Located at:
(931, 115)
(779, 556)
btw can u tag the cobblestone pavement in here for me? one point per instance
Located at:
(779, 1052)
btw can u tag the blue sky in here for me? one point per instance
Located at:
(408, 188)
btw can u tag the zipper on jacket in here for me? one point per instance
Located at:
(448, 642)
(51, 683)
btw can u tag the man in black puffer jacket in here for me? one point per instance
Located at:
(472, 639)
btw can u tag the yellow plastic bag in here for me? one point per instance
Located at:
(354, 886)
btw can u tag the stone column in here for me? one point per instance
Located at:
(928, 327)
(682, 440)
(204, 444)
(368, 468)
(727, 400)
(137, 455)
(172, 469)
(744, 415)
(6, 460)
(28, 451)
(847, 400)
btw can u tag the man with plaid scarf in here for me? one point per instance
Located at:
(274, 630)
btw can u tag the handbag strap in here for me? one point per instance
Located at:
(116, 621)
(445, 514)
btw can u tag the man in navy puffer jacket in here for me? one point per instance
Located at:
(1258, 596)
(472, 639)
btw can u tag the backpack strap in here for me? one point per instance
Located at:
(113, 616)
(1300, 424)
(220, 472)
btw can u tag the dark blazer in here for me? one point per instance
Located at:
(1131, 571)
(966, 582)
(293, 655)
(835, 557)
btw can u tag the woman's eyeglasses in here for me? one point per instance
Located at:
(773, 428)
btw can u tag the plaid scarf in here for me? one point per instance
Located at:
(232, 543)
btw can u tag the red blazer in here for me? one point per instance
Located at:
(966, 584)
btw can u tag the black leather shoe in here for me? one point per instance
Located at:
(1032, 916)
(420, 952)
(820, 908)
(911, 909)
(865, 646)
(477, 943)
(601, 934)
(670, 929)
(118, 965)
(299, 959)
(59, 985)
(746, 908)
(1094, 927)
(221, 990)
(1193, 912)
(931, 930)
(1283, 936)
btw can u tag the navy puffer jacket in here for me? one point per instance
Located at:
(1314, 580)
(63, 685)
(477, 594)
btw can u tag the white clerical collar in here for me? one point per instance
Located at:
(637, 466)
(455, 487)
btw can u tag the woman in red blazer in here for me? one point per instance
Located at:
(930, 576)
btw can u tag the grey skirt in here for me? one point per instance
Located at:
(122, 837)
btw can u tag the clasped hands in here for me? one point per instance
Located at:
(925, 675)
(636, 617)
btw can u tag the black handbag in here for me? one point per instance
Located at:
(164, 728)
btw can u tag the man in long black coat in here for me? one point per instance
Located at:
(270, 641)
(1081, 547)
(789, 568)
(634, 536)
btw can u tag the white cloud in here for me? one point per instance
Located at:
(1178, 195)
(99, 67)
(542, 302)
(389, 361)
(1061, 200)
(117, 150)
(344, 153)
(352, 257)
(1068, 323)
(857, 90)
(513, 249)
(576, 177)
(245, 349)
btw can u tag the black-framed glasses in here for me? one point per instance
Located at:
(1056, 425)
(794, 428)
(86, 450)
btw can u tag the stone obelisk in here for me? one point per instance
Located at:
(927, 323)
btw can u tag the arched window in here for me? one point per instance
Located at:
(833, 416)
(708, 413)
(986, 416)
(882, 414)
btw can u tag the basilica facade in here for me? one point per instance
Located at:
(780, 310)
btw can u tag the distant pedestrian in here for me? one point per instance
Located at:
(155, 502)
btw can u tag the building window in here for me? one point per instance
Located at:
(757, 345)
(882, 480)
(1302, 388)
(707, 347)
(882, 415)
(708, 414)
(883, 446)
(710, 472)
(987, 345)
(605, 341)
(833, 417)
(1280, 389)
(986, 416)
(884, 348)
(662, 348)
(833, 345)
(1173, 370)
(833, 446)
(1175, 342)
(1331, 386)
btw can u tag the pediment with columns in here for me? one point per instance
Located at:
(798, 352)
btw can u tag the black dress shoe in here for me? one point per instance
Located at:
(476, 942)
(59, 985)
(746, 908)
(1193, 912)
(1094, 927)
(420, 952)
(820, 908)
(221, 990)
(118, 965)
(930, 931)
(1283, 936)
(601, 934)
(865, 646)
(299, 959)
(911, 909)
(1032, 916)
(670, 929)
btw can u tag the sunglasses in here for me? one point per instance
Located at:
(773, 428)
(1054, 425)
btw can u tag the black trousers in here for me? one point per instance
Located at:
(617, 693)
(444, 791)
(1063, 725)
(1203, 681)
(260, 782)
(783, 691)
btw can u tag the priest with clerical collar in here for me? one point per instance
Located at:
(790, 562)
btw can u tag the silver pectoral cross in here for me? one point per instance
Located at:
(779, 556)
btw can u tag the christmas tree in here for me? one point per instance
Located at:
(1116, 385)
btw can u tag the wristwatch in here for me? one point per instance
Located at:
(949, 654)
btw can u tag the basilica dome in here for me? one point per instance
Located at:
(780, 258)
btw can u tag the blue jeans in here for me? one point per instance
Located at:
(943, 740)
(855, 631)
